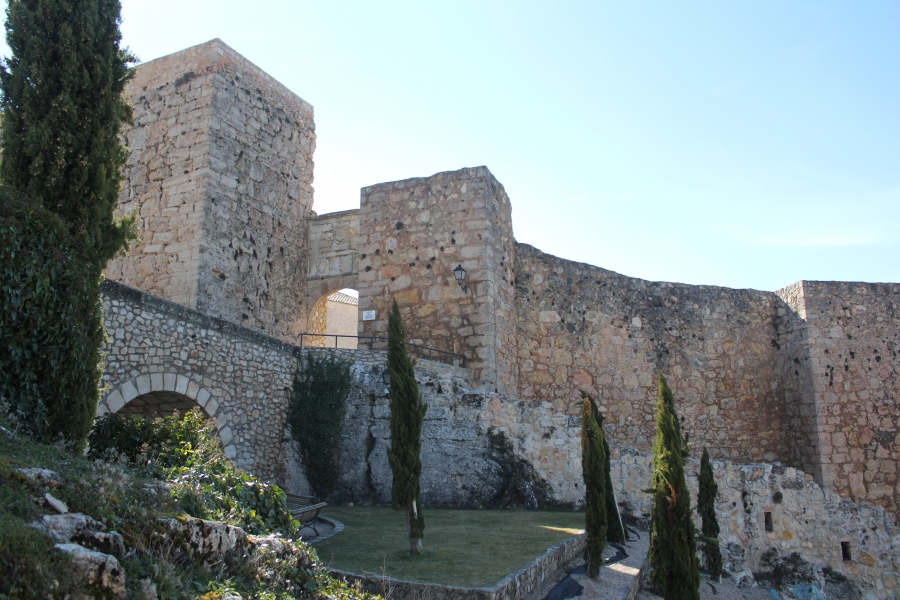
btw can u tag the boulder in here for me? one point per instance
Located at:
(42, 477)
(67, 526)
(82, 529)
(206, 541)
(90, 569)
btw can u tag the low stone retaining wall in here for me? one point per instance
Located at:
(512, 587)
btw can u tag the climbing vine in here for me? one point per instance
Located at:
(316, 418)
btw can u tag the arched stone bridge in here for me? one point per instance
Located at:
(163, 357)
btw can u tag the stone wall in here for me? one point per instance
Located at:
(805, 519)
(848, 364)
(221, 173)
(582, 327)
(412, 234)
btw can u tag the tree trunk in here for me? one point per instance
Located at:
(415, 544)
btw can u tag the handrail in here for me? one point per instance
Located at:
(431, 351)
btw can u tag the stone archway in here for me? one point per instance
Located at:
(335, 313)
(155, 393)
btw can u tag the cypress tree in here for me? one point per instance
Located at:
(673, 549)
(407, 414)
(593, 458)
(706, 506)
(615, 531)
(63, 107)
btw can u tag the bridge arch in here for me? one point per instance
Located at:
(159, 393)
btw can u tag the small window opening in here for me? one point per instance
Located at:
(845, 551)
(768, 517)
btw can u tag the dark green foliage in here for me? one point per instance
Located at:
(706, 507)
(316, 419)
(593, 461)
(407, 414)
(673, 551)
(188, 454)
(51, 326)
(63, 107)
(615, 531)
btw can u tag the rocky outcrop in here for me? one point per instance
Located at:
(92, 571)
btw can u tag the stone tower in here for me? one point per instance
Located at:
(221, 175)
(412, 234)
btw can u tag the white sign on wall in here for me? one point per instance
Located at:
(368, 315)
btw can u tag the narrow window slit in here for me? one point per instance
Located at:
(768, 517)
(845, 551)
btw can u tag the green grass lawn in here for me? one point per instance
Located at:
(467, 548)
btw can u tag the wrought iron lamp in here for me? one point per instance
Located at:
(460, 274)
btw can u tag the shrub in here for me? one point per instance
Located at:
(51, 326)
(316, 419)
(203, 482)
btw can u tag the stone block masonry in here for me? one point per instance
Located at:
(842, 349)
(582, 327)
(221, 173)
(412, 234)
(333, 256)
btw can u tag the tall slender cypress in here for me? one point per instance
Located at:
(706, 506)
(673, 550)
(63, 108)
(593, 458)
(407, 414)
(615, 531)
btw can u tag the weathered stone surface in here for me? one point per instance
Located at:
(205, 541)
(805, 519)
(841, 352)
(43, 477)
(413, 233)
(91, 569)
(221, 172)
(67, 526)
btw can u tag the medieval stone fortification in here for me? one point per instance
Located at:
(221, 172)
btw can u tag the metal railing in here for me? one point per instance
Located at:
(434, 354)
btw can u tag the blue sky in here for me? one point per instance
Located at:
(745, 144)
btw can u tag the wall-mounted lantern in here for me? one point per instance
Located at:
(386, 377)
(460, 274)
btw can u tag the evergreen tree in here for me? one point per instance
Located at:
(615, 531)
(407, 414)
(593, 458)
(673, 550)
(706, 506)
(63, 107)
